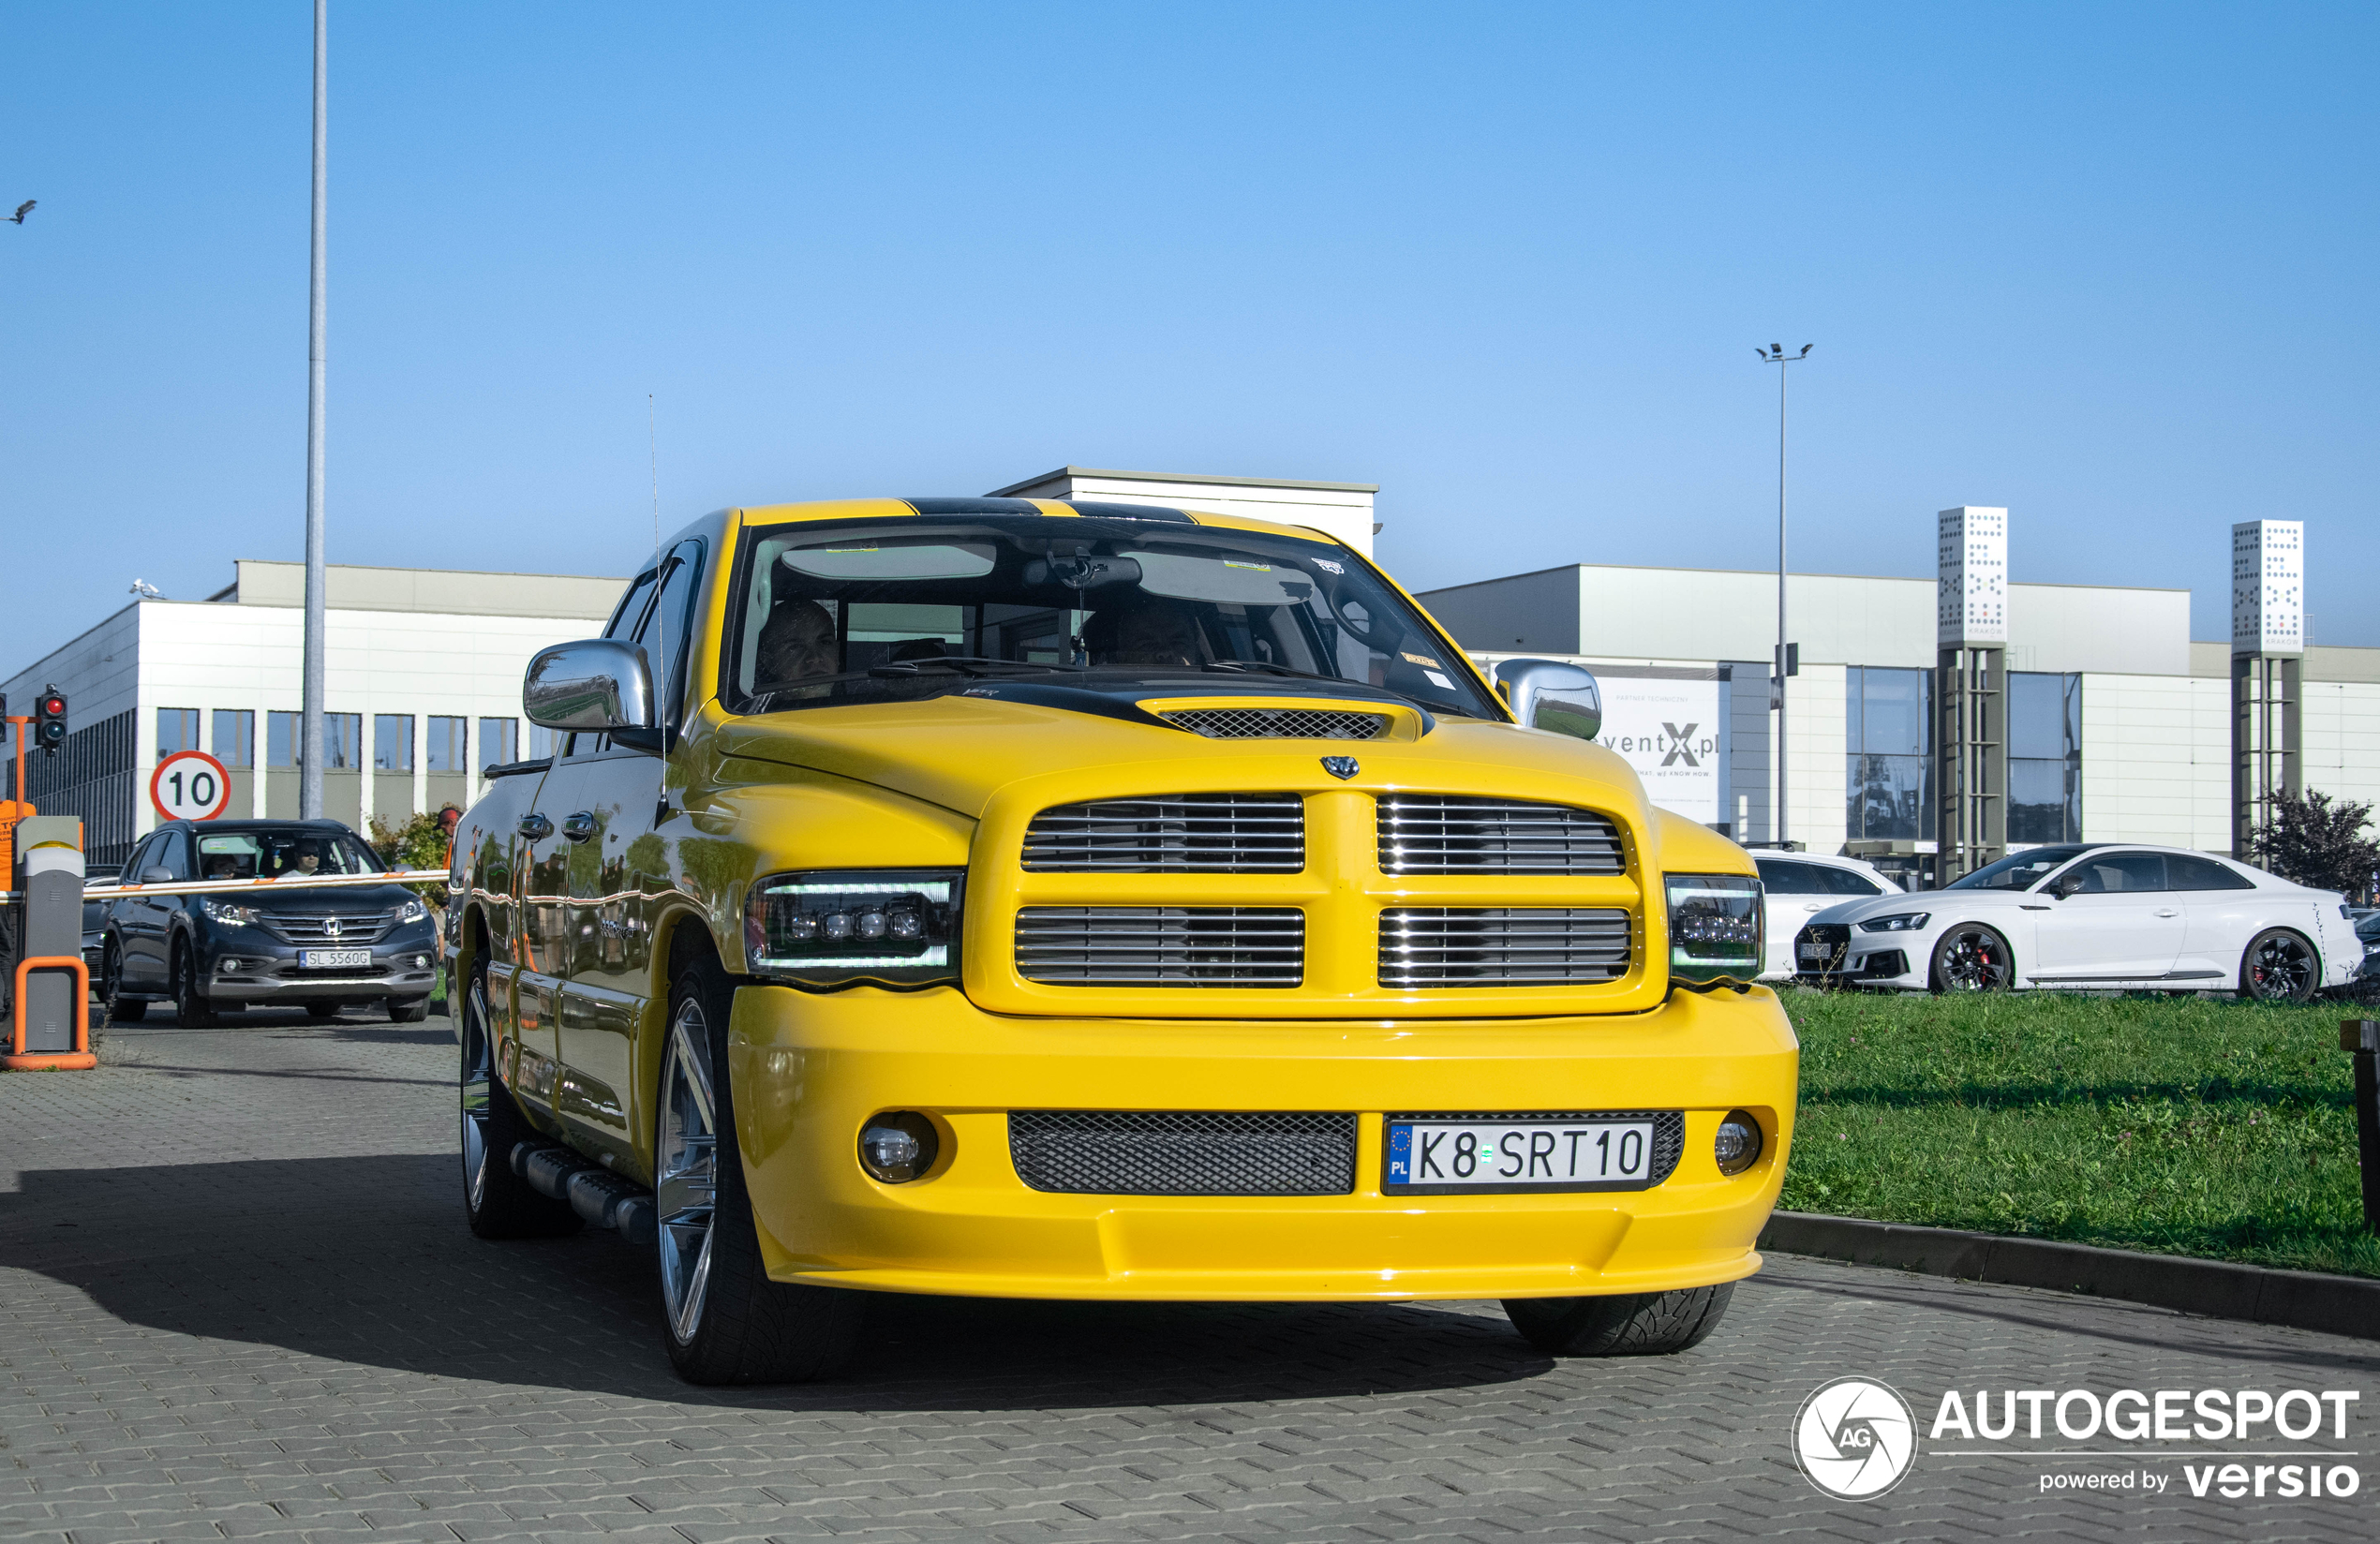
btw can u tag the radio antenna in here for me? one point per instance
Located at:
(660, 633)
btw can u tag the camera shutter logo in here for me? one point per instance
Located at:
(1854, 1438)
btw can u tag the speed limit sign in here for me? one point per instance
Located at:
(189, 785)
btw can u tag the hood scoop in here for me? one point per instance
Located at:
(1277, 723)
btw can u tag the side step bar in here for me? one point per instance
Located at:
(594, 1191)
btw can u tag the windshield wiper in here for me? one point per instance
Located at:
(965, 664)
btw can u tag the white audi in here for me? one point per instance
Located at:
(2094, 915)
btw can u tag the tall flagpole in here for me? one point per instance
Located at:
(310, 765)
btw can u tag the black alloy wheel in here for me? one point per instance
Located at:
(120, 1009)
(1972, 957)
(2280, 967)
(187, 1005)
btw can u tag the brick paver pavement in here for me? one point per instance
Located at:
(237, 1300)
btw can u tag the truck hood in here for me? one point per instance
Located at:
(960, 750)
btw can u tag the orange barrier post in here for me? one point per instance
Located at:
(20, 1060)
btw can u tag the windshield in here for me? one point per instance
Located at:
(271, 855)
(2018, 870)
(898, 609)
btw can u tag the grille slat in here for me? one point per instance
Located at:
(1168, 1152)
(354, 931)
(1161, 945)
(1444, 834)
(1171, 833)
(1535, 946)
(1278, 723)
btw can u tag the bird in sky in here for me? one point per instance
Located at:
(22, 210)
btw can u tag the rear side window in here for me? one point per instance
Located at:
(2113, 873)
(2197, 873)
(1848, 882)
(1783, 878)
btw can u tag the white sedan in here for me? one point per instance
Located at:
(2094, 915)
(1797, 887)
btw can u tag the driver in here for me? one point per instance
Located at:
(1152, 632)
(306, 858)
(797, 644)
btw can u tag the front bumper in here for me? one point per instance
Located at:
(250, 966)
(809, 1069)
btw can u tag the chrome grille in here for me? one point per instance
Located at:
(1438, 834)
(1167, 1153)
(353, 932)
(1171, 834)
(1424, 946)
(1161, 945)
(1278, 723)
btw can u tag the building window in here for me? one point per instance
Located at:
(235, 737)
(1888, 738)
(2045, 757)
(542, 742)
(447, 747)
(392, 742)
(342, 740)
(177, 730)
(500, 742)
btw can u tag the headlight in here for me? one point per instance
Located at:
(897, 925)
(230, 914)
(412, 911)
(1900, 921)
(1715, 926)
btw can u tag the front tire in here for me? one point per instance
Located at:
(1971, 958)
(188, 1005)
(2280, 967)
(1636, 1323)
(409, 1010)
(120, 1008)
(321, 1010)
(727, 1322)
(498, 1202)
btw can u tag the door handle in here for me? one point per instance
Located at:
(1813, 906)
(536, 828)
(2168, 911)
(579, 827)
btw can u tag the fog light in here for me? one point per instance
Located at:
(228, 965)
(899, 1146)
(420, 962)
(1737, 1147)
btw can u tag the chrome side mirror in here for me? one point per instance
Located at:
(1548, 694)
(598, 684)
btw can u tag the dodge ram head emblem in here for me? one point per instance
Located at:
(1341, 767)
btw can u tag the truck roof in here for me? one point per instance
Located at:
(881, 509)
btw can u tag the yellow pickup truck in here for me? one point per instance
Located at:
(1079, 900)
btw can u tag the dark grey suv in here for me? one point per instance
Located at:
(327, 948)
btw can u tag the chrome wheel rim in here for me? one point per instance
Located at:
(688, 1188)
(1973, 962)
(477, 1072)
(2283, 969)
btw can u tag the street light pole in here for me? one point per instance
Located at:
(1775, 354)
(310, 765)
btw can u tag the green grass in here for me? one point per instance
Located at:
(2220, 1129)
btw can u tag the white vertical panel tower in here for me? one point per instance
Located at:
(1970, 697)
(2268, 648)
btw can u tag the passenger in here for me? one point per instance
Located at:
(221, 866)
(797, 644)
(1153, 633)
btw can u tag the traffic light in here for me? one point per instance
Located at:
(49, 720)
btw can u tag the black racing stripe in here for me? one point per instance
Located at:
(972, 506)
(1130, 511)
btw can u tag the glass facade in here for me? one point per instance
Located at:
(447, 747)
(1889, 743)
(500, 742)
(392, 742)
(177, 730)
(235, 737)
(2045, 757)
(342, 740)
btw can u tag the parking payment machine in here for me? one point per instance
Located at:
(49, 992)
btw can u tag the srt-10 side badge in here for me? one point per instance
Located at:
(1341, 766)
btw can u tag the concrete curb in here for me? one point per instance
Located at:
(2300, 1300)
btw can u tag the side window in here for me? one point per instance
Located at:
(632, 608)
(1783, 878)
(2195, 873)
(140, 860)
(1849, 881)
(168, 854)
(2114, 873)
(666, 632)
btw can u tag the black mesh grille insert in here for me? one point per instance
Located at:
(1171, 833)
(1277, 723)
(1443, 834)
(1161, 945)
(1821, 945)
(1422, 946)
(1162, 1153)
(1669, 1130)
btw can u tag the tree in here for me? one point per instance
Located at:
(2320, 842)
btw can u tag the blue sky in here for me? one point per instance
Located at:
(2111, 267)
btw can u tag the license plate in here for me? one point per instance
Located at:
(333, 959)
(1492, 1153)
(1814, 951)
